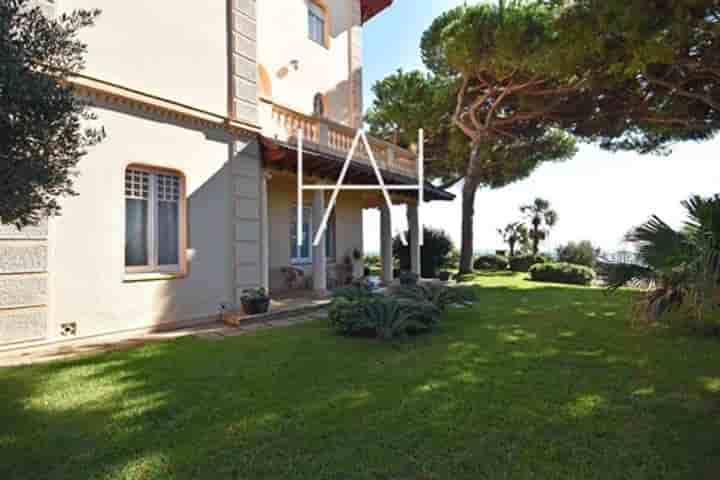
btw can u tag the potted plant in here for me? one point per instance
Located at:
(255, 301)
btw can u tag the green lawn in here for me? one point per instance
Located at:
(535, 381)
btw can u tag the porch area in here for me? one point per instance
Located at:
(308, 270)
(339, 258)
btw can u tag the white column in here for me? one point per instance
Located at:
(414, 240)
(319, 266)
(386, 245)
(265, 231)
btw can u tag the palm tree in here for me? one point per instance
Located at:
(514, 233)
(682, 266)
(542, 218)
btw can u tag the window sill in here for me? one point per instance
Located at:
(151, 277)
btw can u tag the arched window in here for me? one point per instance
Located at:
(319, 105)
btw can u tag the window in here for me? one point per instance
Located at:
(154, 202)
(300, 255)
(319, 105)
(317, 23)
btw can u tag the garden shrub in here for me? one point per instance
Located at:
(562, 273)
(373, 260)
(434, 254)
(464, 277)
(491, 262)
(356, 291)
(440, 296)
(522, 263)
(381, 316)
(578, 253)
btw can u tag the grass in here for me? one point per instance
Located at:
(535, 381)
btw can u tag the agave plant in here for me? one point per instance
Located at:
(439, 296)
(682, 267)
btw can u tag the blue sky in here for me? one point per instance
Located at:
(598, 195)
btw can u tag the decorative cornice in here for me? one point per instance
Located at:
(100, 90)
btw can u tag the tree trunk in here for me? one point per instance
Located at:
(468, 214)
(512, 248)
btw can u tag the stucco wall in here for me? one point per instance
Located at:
(176, 50)
(88, 243)
(282, 196)
(283, 37)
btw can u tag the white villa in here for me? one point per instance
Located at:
(191, 198)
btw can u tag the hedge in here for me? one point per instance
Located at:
(491, 262)
(562, 273)
(522, 263)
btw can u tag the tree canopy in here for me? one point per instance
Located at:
(653, 67)
(41, 132)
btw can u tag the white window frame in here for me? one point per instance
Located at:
(332, 226)
(153, 226)
(301, 260)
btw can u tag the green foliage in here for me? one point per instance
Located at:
(562, 273)
(491, 262)
(542, 219)
(41, 134)
(440, 296)
(381, 316)
(404, 103)
(578, 253)
(514, 234)
(522, 263)
(353, 292)
(655, 75)
(683, 265)
(254, 294)
(464, 277)
(637, 406)
(505, 110)
(434, 253)
(453, 259)
(373, 260)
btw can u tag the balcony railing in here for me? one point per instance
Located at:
(321, 134)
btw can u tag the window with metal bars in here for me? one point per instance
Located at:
(153, 212)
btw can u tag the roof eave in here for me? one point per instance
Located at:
(370, 8)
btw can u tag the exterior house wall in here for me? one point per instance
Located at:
(90, 286)
(176, 50)
(283, 38)
(212, 56)
(282, 197)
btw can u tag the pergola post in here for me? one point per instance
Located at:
(319, 262)
(386, 245)
(414, 240)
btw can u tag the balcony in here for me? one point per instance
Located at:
(323, 135)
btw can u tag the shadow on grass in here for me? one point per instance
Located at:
(525, 383)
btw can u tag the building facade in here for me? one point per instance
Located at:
(191, 197)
